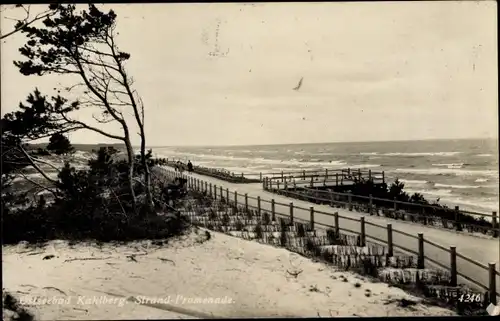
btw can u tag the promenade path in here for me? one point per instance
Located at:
(481, 249)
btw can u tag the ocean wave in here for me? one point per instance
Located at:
(413, 182)
(484, 155)
(452, 165)
(370, 153)
(364, 166)
(447, 171)
(456, 186)
(300, 163)
(321, 154)
(431, 192)
(423, 154)
(481, 180)
(446, 196)
(474, 205)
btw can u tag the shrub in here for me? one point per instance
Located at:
(301, 231)
(266, 220)
(239, 225)
(92, 203)
(12, 305)
(258, 231)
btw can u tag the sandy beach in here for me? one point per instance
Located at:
(191, 277)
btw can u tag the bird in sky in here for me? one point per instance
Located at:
(299, 84)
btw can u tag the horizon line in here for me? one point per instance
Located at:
(331, 142)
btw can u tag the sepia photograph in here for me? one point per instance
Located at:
(249, 160)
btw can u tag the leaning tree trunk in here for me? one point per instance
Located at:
(147, 172)
(130, 156)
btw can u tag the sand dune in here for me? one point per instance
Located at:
(249, 279)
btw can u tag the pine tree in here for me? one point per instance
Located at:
(60, 144)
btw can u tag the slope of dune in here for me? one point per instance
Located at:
(193, 276)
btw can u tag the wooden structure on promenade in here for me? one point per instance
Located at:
(337, 179)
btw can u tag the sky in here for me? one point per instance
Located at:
(372, 71)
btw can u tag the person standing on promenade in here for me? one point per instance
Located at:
(190, 167)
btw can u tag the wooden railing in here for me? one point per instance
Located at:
(432, 215)
(217, 173)
(326, 174)
(490, 272)
(297, 175)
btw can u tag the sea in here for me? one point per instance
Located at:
(457, 172)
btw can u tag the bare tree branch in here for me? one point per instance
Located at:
(35, 166)
(27, 21)
(37, 184)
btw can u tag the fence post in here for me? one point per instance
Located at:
(235, 198)
(312, 182)
(395, 204)
(383, 176)
(286, 186)
(349, 197)
(215, 191)
(227, 195)
(336, 179)
(370, 206)
(493, 286)
(264, 183)
(273, 212)
(453, 265)
(359, 173)
(337, 227)
(206, 186)
(291, 212)
(304, 174)
(326, 174)
(282, 176)
(260, 177)
(246, 202)
(311, 210)
(420, 262)
(258, 205)
(369, 174)
(390, 245)
(495, 224)
(363, 232)
(331, 198)
(210, 189)
(277, 186)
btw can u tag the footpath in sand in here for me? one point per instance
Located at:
(481, 249)
(235, 277)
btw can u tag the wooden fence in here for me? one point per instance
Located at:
(221, 174)
(329, 173)
(455, 218)
(490, 272)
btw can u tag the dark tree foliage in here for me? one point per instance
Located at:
(93, 203)
(28, 19)
(60, 144)
(112, 198)
(83, 44)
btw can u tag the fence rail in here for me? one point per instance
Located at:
(426, 214)
(292, 173)
(242, 200)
